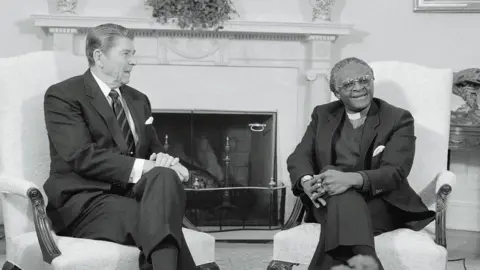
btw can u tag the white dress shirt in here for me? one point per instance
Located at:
(137, 169)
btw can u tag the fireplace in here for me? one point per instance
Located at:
(235, 149)
(274, 70)
(235, 208)
(231, 156)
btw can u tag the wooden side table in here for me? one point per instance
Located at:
(463, 138)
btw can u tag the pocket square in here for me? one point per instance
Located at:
(149, 121)
(378, 150)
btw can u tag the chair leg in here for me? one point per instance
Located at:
(279, 265)
(208, 266)
(9, 266)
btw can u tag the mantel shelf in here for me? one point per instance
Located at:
(240, 27)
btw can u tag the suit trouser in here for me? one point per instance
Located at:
(145, 216)
(349, 223)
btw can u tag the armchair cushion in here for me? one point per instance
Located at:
(397, 250)
(93, 254)
(296, 244)
(406, 249)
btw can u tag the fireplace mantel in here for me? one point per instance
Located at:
(73, 23)
(305, 46)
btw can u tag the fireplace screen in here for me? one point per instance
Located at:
(231, 158)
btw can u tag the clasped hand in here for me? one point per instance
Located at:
(330, 182)
(167, 161)
(315, 190)
(336, 182)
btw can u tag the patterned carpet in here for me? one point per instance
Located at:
(248, 256)
(243, 256)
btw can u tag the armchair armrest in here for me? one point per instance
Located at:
(15, 185)
(446, 181)
(296, 216)
(29, 190)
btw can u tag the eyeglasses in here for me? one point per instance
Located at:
(349, 84)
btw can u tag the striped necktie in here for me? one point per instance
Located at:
(122, 121)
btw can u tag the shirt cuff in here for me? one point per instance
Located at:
(299, 182)
(366, 182)
(137, 169)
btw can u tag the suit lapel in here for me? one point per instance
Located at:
(326, 136)
(369, 132)
(100, 103)
(136, 111)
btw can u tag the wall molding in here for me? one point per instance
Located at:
(466, 204)
(463, 215)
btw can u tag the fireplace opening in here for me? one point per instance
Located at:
(231, 157)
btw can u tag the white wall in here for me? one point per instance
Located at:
(18, 32)
(390, 30)
(384, 30)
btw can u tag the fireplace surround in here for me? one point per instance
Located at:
(279, 67)
(231, 158)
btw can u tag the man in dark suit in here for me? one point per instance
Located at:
(108, 178)
(350, 168)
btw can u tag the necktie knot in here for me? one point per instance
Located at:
(114, 95)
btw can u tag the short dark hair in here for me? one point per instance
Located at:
(103, 37)
(338, 66)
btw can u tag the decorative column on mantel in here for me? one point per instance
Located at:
(306, 46)
(63, 38)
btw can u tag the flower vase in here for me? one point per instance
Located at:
(322, 10)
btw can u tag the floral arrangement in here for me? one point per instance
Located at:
(359, 262)
(193, 13)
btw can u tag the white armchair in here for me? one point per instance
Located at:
(24, 166)
(426, 93)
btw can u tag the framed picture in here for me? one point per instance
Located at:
(446, 6)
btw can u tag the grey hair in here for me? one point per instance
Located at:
(103, 37)
(342, 63)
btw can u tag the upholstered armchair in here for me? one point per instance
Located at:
(24, 166)
(426, 93)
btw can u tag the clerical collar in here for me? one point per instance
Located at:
(358, 115)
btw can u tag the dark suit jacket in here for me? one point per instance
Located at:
(387, 172)
(87, 147)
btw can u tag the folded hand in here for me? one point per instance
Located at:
(335, 182)
(313, 189)
(182, 172)
(167, 161)
(163, 160)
